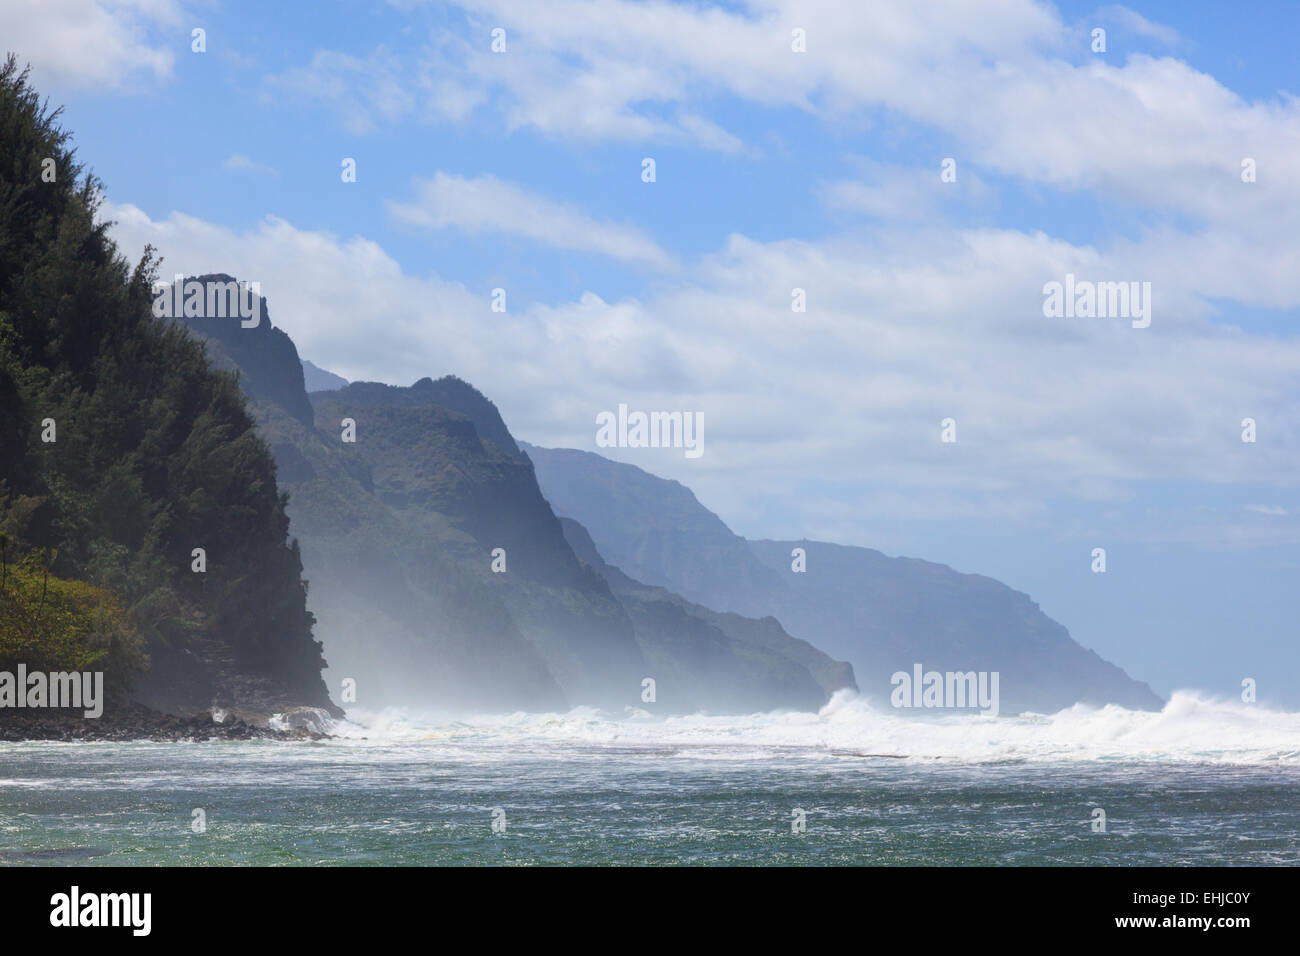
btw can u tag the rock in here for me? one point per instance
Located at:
(314, 720)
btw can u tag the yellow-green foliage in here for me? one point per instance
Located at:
(53, 624)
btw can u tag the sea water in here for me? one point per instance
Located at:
(1200, 782)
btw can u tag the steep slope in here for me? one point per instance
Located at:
(431, 466)
(409, 614)
(702, 659)
(317, 379)
(653, 528)
(263, 355)
(400, 609)
(124, 456)
(881, 614)
(399, 529)
(888, 614)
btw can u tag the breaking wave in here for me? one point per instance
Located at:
(1191, 728)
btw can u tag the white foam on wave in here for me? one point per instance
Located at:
(1190, 728)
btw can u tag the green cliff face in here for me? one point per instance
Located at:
(123, 453)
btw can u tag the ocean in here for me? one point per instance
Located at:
(1202, 782)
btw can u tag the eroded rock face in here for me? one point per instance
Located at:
(207, 678)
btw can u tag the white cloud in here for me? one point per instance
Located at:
(890, 191)
(906, 323)
(905, 326)
(237, 162)
(485, 204)
(1135, 23)
(361, 91)
(90, 43)
(1012, 87)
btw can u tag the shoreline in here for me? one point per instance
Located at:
(135, 722)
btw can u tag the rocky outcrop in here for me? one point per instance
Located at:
(130, 721)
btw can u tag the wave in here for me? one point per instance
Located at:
(1191, 728)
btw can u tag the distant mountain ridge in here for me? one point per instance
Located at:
(691, 645)
(317, 379)
(449, 392)
(653, 528)
(399, 532)
(881, 614)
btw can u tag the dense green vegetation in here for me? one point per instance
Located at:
(152, 453)
(50, 624)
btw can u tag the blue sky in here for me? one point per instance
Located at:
(776, 170)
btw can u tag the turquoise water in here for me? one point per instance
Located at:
(594, 789)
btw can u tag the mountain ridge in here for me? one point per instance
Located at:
(882, 614)
(405, 498)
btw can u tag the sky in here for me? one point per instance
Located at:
(776, 169)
